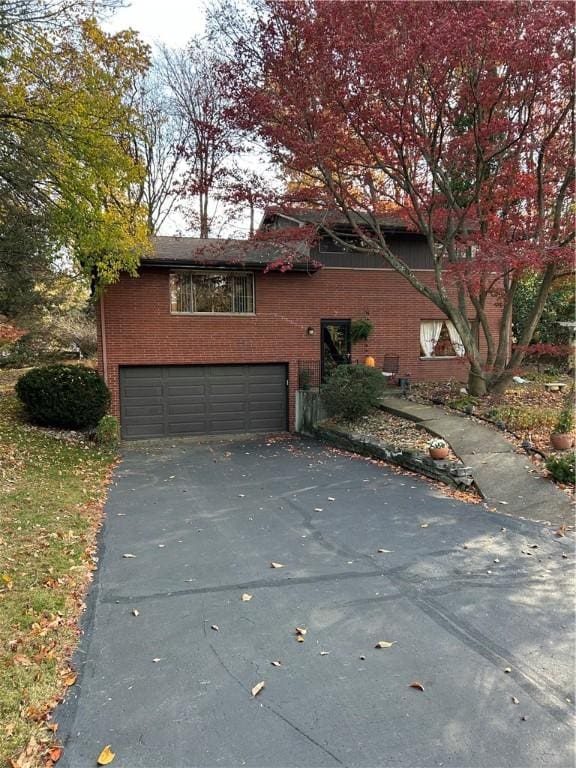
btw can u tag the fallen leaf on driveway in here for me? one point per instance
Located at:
(215, 627)
(561, 531)
(106, 756)
(508, 670)
(384, 644)
(276, 663)
(424, 525)
(128, 555)
(331, 498)
(515, 700)
(156, 660)
(299, 638)
(135, 612)
(416, 684)
(276, 565)
(324, 653)
(318, 509)
(383, 551)
(257, 688)
(246, 597)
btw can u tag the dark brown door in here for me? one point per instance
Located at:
(335, 345)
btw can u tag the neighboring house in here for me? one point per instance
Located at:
(207, 341)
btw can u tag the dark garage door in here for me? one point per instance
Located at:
(178, 400)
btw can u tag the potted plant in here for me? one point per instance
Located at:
(562, 438)
(438, 448)
(361, 330)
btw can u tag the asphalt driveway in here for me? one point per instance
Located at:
(464, 594)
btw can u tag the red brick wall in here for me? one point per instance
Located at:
(139, 329)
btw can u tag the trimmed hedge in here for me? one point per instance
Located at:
(352, 391)
(65, 396)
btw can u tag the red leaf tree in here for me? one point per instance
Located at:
(457, 116)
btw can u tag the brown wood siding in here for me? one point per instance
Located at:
(413, 250)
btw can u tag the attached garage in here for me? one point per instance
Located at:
(186, 400)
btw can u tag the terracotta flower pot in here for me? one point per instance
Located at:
(561, 441)
(439, 453)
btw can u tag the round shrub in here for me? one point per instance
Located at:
(69, 396)
(352, 391)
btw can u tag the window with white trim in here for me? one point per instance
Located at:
(203, 292)
(439, 338)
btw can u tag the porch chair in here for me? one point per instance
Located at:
(390, 368)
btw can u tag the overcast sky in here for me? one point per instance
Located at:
(172, 22)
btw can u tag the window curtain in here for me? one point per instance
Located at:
(429, 334)
(455, 338)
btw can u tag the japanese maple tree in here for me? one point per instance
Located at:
(458, 117)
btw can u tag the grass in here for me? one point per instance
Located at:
(51, 495)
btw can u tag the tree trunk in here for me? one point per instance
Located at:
(476, 381)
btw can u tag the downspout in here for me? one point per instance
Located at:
(103, 339)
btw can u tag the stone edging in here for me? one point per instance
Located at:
(451, 473)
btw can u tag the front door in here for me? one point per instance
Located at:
(335, 345)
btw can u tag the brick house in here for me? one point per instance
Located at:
(207, 341)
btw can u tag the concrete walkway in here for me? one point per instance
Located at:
(506, 479)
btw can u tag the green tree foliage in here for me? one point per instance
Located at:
(560, 306)
(66, 120)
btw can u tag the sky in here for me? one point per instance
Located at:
(172, 22)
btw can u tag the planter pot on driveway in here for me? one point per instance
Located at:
(561, 441)
(439, 453)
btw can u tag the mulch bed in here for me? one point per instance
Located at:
(394, 430)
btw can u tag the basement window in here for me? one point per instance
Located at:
(211, 293)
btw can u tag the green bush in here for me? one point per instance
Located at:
(68, 396)
(352, 391)
(107, 432)
(562, 468)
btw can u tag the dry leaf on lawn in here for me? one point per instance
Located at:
(416, 684)
(384, 644)
(106, 756)
(246, 597)
(257, 688)
(276, 565)
(55, 753)
(70, 679)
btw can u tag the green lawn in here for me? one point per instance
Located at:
(51, 494)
